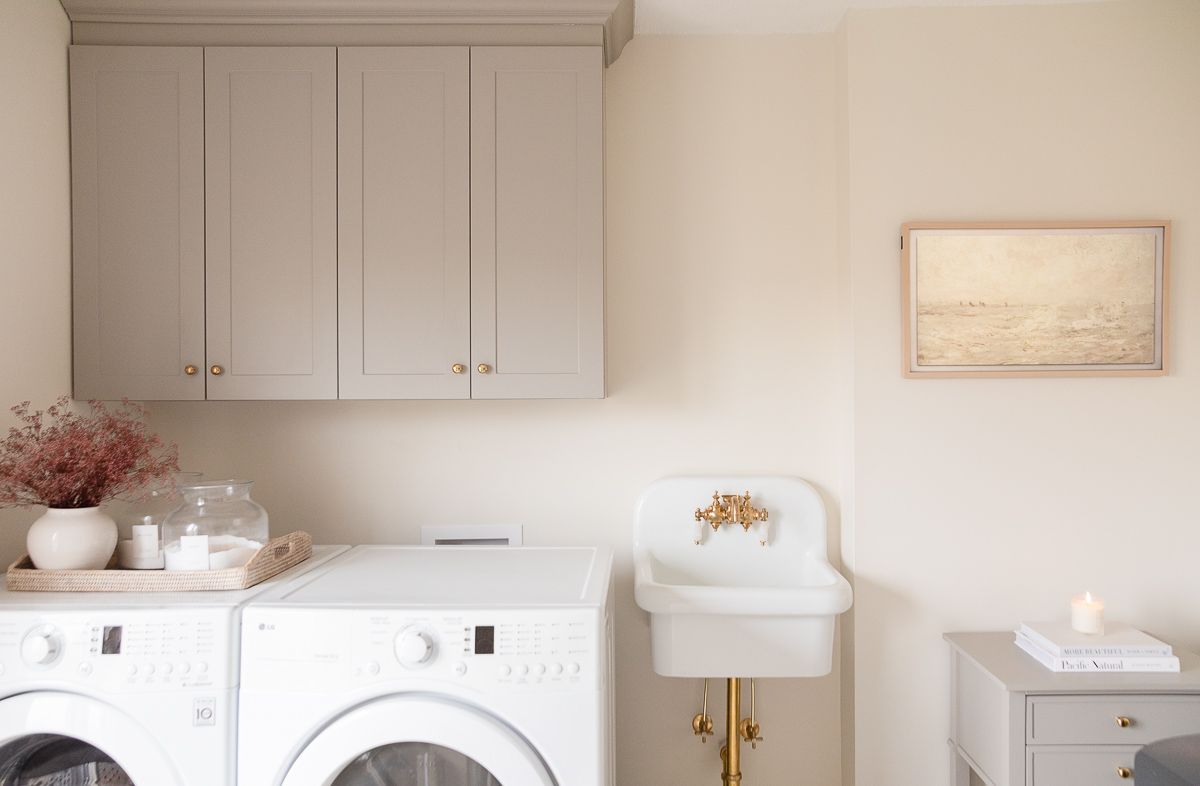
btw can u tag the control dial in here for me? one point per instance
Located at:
(414, 648)
(41, 646)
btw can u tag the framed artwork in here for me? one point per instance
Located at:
(1035, 299)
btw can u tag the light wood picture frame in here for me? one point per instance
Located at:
(1035, 299)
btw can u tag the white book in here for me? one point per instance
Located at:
(1118, 640)
(1161, 663)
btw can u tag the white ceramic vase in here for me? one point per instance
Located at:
(72, 539)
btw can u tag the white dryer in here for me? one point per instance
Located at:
(438, 666)
(123, 688)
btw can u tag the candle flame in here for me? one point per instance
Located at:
(1087, 597)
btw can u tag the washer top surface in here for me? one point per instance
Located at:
(123, 600)
(455, 576)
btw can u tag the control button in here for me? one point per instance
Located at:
(85, 668)
(167, 668)
(148, 669)
(556, 669)
(539, 669)
(572, 668)
(132, 669)
(202, 667)
(372, 668)
(522, 670)
(460, 668)
(1, 668)
(505, 670)
(184, 668)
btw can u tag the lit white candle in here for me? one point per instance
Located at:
(1087, 614)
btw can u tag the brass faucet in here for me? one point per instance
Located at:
(731, 509)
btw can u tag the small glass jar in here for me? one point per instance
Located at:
(218, 526)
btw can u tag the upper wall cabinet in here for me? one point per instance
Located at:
(471, 218)
(537, 222)
(271, 225)
(404, 246)
(359, 222)
(137, 149)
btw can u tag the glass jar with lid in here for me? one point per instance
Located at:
(217, 526)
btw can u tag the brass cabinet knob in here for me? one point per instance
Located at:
(1123, 722)
(216, 370)
(483, 368)
(1124, 772)
(190, 370)
(458, 368)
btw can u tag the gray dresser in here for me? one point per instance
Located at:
(1015, 723)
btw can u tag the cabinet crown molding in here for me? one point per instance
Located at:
(615, 16)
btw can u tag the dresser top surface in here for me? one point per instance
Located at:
(997, 653)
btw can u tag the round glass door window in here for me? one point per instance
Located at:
(414, 764)
(54, 760)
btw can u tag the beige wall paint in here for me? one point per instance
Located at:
(770, 176)
(721, 324)
(981, 503)
(35, 218)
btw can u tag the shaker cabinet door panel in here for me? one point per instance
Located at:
(137, 170)
(404, 255)
(537, 222)
(271, 197)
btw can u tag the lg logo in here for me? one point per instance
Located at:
(265, 626)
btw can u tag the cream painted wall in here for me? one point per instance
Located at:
(981, 503)
(769, 175)
(35, 219)
(721, 320)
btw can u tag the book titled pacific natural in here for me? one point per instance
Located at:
(1121, 648)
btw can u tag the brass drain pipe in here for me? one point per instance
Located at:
(731, 752)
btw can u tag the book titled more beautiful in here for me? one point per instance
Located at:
(1120, 648)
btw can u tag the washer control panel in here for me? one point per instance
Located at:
(132, 650)
(517, 650)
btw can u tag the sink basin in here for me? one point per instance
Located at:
(756, 603)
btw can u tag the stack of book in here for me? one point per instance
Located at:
(1120, 648)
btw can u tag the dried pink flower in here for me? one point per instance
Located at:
(62, 459)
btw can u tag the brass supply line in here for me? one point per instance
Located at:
(702, 724)
(730, 509)
(748, 728)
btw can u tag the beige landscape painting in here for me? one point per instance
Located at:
(1029, 299)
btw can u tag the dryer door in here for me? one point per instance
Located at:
(417, 741)
(51, 737)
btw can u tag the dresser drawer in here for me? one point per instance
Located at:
(1081, 766)
(1097, 720)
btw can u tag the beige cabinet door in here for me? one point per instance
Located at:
(404, 254)
(271, 199)
(537, 222)
(137, 171)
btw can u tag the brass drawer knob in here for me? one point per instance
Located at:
(190, 370)
(1124, 772)
(483, 368)
(217, 370)
(458, 368)
(1123, 722)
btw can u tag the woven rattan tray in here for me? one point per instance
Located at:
(275, 557)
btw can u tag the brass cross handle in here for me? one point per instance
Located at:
(1123, 722)
(1124, 772)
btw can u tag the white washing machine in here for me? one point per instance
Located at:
(123, 688)
(437, 666)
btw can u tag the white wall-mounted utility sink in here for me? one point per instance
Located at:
(738, 603)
